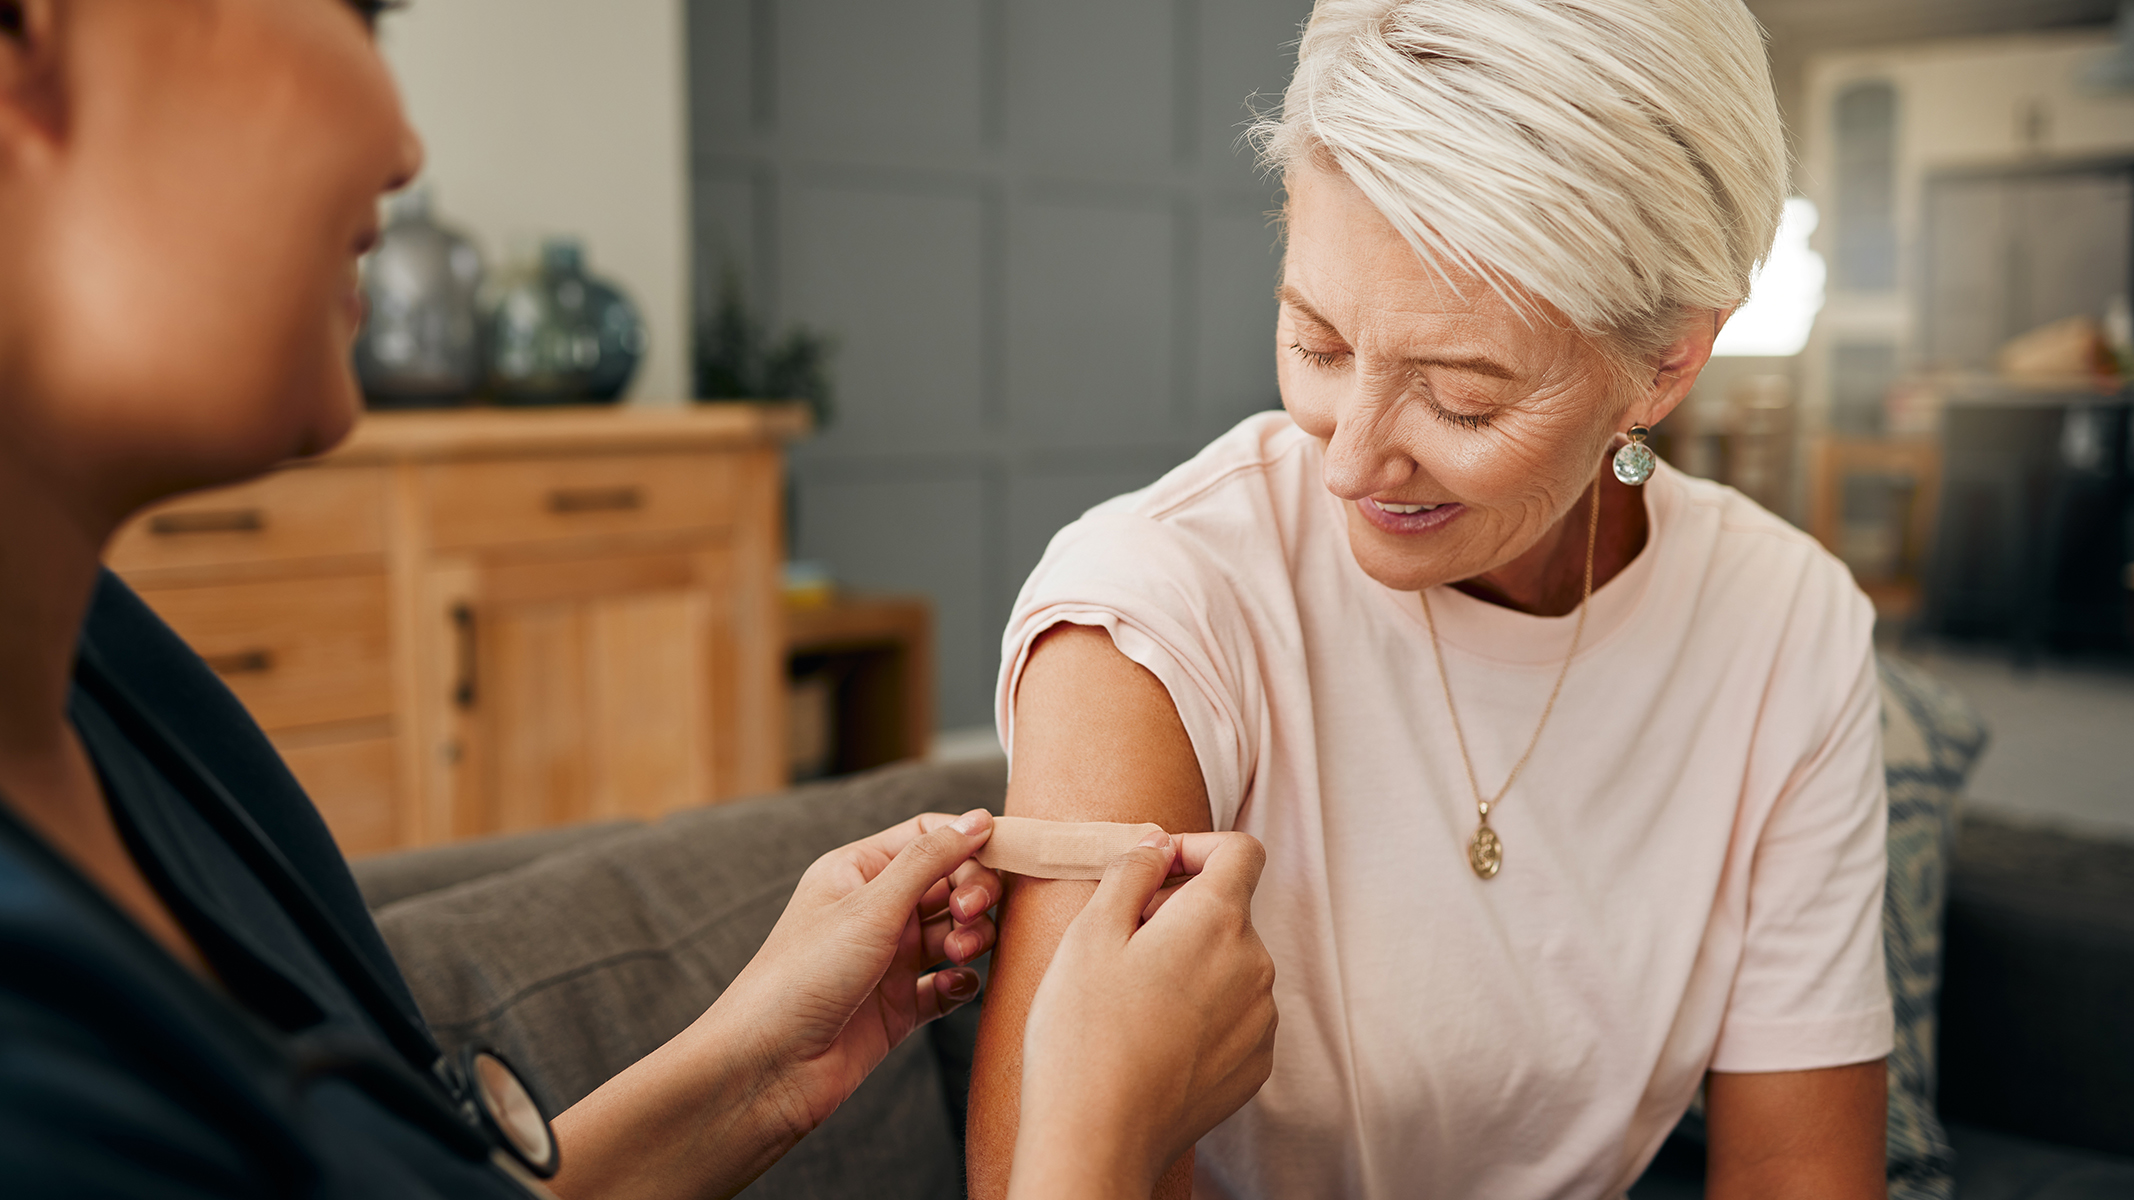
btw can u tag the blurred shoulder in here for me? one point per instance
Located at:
(1222, 523)
(1753, 557)
(1245, 495)
(1257, 460)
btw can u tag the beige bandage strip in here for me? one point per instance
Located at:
(1059, 849)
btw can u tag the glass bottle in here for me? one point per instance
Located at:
(420, 341)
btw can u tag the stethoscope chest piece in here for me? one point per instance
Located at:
(507, 1110)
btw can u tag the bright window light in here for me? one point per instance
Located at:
(1784, 296)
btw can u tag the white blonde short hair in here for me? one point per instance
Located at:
(1620, 159)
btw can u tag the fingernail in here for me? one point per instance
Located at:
(972, 821)
(970, 902)
(961, 985)
(1158, 839)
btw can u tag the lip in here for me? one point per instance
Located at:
(1409, 524)
(351, 298)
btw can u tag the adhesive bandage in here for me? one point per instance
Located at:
(1059, 849)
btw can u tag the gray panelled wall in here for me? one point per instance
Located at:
(1046, 255)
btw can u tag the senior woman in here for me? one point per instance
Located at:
(1567, 765)
(193, 1000)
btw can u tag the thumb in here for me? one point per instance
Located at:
(1129, 883)
(926, 860)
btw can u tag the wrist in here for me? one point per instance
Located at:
(1079, 1158)
(758, 1070)
(699, 1115)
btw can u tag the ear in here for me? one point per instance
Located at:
(30, 93)
(1678, 366)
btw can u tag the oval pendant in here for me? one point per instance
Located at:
(1485, 853)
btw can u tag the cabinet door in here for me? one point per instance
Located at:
(1968, 260)
(2005, 254)
(585, 689)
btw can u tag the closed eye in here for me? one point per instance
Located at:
(1323, 359)
(1464, 420)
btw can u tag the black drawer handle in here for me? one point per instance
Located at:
(244, 662)
(213, 520)
(585, 500)
(464, 643)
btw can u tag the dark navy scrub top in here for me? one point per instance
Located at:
(124, 1074)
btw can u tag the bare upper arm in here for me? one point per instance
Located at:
(1784, 1134)
(1097, 738)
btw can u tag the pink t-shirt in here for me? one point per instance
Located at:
(1693, 859)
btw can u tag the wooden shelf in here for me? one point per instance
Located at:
(877, 652)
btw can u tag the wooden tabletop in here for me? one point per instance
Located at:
(858, 621)
(481, 432)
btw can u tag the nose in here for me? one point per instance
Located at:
(1362, 456)
(407, 158)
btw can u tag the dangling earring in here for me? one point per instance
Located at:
(1634, 462)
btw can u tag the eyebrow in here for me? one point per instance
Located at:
(1479, 364)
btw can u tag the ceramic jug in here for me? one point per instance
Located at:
(558, 335)
(420, 342)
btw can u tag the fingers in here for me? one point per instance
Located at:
(1129, 883)
(924, 860)
(964, 895)
(1230, 867)
(943, 992)
(891, 841)
(958, 943)
(975, 888)
(1197, 850)
(1168, 890)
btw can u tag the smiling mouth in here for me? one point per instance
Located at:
(1395, 518)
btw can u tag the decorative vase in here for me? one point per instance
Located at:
(420, 344)
(560, 336)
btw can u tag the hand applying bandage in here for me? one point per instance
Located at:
(1155, 1019)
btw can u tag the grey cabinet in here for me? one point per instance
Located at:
(2006, 251)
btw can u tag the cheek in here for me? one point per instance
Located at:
(1530, 481)
(147, 303)
(201, 242)
(1308, 396)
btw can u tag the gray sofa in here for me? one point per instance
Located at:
(577, 951)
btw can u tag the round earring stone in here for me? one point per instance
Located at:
(1634, 463)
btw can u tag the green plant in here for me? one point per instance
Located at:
(736, 358)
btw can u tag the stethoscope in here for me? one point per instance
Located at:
(476, 1104)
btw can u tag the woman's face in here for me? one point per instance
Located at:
(1457, 433)
(185, 188)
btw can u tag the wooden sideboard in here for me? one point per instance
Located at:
(487, 620)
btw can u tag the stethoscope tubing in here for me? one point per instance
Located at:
(443, 1100)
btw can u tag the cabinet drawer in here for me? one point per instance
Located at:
(307, 512)
(296, 651)
(494, 503)
(352, 785)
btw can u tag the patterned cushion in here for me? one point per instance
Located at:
(1930, 739)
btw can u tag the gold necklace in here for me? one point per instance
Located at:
(1485, 850)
